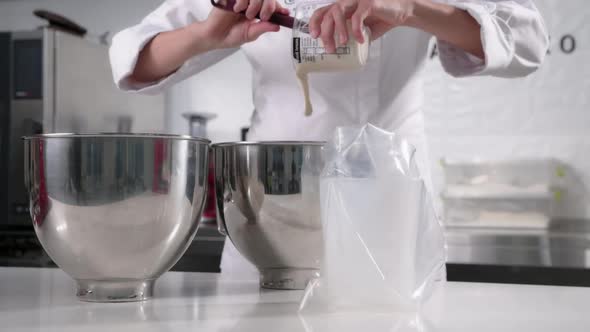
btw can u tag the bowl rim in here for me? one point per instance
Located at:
(269, 143)
(115, 135)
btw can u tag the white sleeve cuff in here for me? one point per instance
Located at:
(125, 51)
(496, 38)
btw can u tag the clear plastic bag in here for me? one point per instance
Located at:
(383, 245)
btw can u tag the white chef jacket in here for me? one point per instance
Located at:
(387, 92)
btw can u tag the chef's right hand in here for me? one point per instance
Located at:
(227, 30)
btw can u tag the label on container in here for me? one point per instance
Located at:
(297, 49)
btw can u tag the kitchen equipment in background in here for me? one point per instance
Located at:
(505, 225)
(197, 122)
(557, 255)
(115, 211)
(53, 81)
(244, 133)
(124, 124)
(57, 21)
(198, 128)
(269, 207)
(511, 193)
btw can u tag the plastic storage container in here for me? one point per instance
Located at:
(511, 194)
(310, 52)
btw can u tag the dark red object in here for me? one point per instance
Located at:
(40, 203)
(276, 18)
(160, 183)
(210, 212)
(61, 22)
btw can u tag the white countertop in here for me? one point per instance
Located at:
(43, 300)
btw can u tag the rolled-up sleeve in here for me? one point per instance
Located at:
(128, 44)
(513, 34)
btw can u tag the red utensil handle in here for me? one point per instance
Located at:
(276, 18)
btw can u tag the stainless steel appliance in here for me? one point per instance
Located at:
(53, 81)
(197, 122)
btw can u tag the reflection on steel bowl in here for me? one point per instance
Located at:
(115, 211)
(269, 206)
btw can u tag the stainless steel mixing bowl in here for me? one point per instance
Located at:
(115, 211)
(268, 204)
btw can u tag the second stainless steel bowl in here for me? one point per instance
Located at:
(269, 206)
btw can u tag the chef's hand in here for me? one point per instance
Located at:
(446, 22)
(227, 30)
(379, 16)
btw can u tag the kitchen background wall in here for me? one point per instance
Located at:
(200, 93)
(544, 115)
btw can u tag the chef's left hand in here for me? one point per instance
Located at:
(379, 16)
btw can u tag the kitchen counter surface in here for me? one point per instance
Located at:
(43, 300)
(557, 255)
(563, 244)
